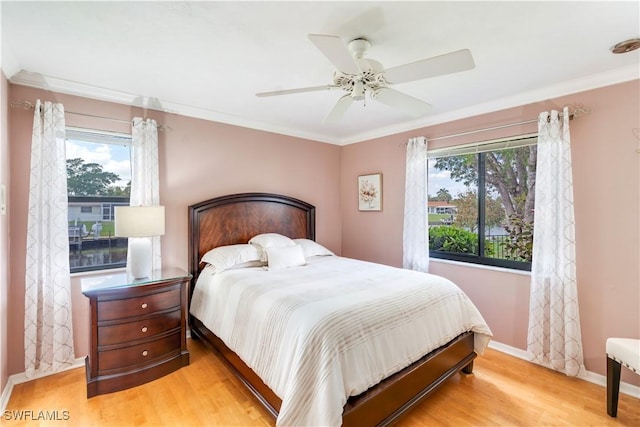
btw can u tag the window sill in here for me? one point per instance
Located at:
(105, 272)
(480, 266)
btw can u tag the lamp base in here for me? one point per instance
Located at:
(139, 265)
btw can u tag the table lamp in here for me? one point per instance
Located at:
(138, 223)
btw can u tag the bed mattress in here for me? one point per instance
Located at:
(319, 333)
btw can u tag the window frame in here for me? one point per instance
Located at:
(99, 137)
(479, 149)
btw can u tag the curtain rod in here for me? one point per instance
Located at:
(577, 112)
(27, 105)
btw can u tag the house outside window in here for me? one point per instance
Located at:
(108, 211)
(98, 179)
(481, 202)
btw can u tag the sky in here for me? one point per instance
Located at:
(113, 157)
(442, 179)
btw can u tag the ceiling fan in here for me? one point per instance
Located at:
(358, 75)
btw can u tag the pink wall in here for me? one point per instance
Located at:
(201, 159)
(198, 160)
(4, 232)
(607, 208)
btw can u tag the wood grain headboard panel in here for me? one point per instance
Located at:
(237, 218)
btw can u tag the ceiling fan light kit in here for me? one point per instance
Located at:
(357, 75)
(357, 92)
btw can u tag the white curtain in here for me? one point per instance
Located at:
(144, 174)
(415, 233)
(554, 338)
(48, 334)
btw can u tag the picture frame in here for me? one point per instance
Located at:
(370, 192)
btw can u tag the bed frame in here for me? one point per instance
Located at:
(235, 219)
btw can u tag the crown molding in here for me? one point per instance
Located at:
(594, 81)
(590, 82)
(39, 81)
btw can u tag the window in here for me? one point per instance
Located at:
(481, 202)
(98, 179)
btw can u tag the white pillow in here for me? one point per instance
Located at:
(270, 240)
(232, 256)
(285, 256)
(311, 248)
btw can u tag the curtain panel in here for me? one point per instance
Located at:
(554, 338)
(415, 232)
(145, 182)
(48, 333)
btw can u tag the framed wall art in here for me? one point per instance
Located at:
(370, 192)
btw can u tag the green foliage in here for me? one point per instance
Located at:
(453, 239)
(463, 168)
(444, 195)
(119, 191)
(437, 218)
(467, 210)
(519, 244)
(494, 214)
(89, 179)
(510, 173)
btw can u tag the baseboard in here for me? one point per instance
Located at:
(6, 395)
(592, 377)
(22, 378)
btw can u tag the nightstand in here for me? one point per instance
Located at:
(138, 328)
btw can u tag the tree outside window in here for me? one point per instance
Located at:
(492, 193)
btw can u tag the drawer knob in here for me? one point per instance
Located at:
(145, 352)
(144, 329)
(144, 305)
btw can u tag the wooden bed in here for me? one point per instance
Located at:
(235, 219)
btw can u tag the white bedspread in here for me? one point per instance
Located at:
(331, 329)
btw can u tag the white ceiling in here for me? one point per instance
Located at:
(208, 59)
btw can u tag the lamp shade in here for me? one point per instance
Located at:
(139, 221)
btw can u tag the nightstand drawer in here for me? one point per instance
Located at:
(141, 329)
(140, 306)
(138, 328)
(138, 354)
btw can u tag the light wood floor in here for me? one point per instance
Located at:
(503, 391)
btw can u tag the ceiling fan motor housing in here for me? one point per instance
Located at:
(370, 78)
(359, 47)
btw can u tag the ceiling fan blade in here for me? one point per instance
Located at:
(395, 99)
(339, 109)
(298, 90)
(453, 62)
(337, 52)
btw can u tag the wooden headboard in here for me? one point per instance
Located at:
(236, 218)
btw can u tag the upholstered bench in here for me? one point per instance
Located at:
(620, 351)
